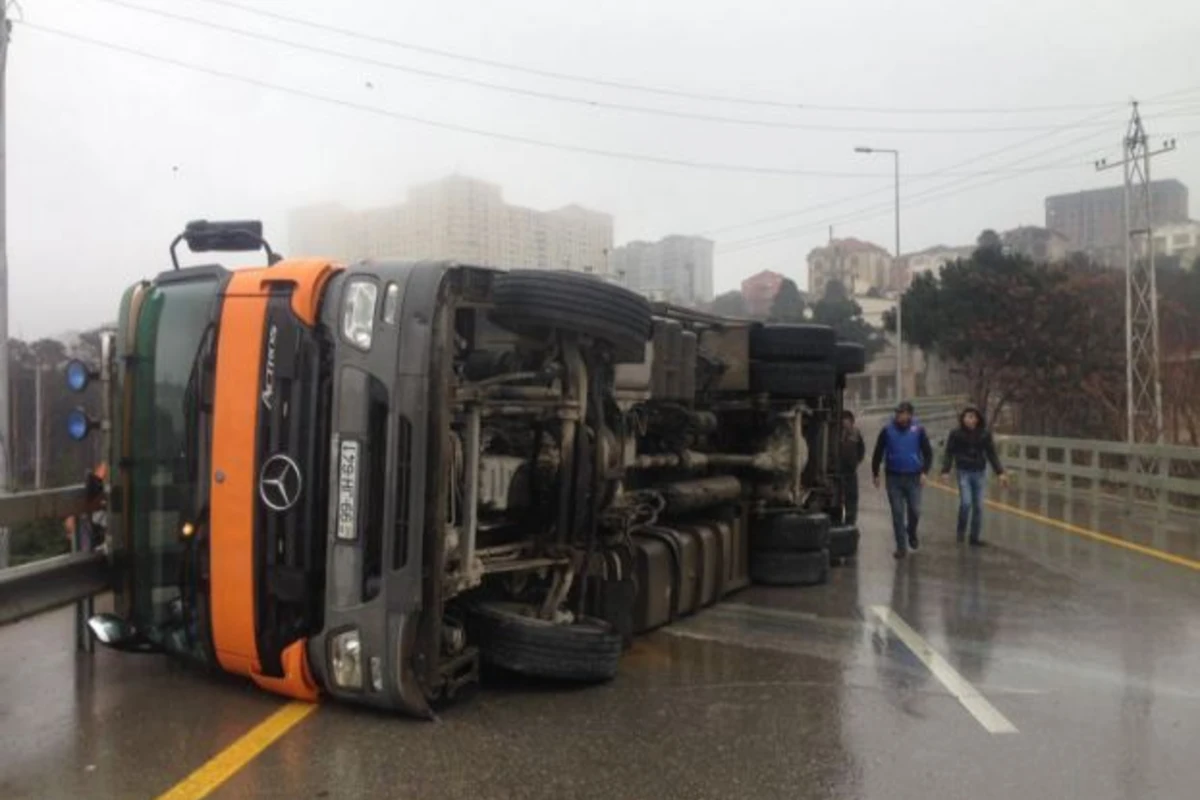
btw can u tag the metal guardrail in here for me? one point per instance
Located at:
(924, 405)
(50, 583)
(1102, 470)
(22, 507)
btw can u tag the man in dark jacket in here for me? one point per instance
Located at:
(905, 446)
(970, 449)
(850, 454)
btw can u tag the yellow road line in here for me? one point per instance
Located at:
(225, 764)
(1087, 533)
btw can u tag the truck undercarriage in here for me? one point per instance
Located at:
(606, 465)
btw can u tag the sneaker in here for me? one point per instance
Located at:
(899, 554)
(960, 538)
(914, 544)
(978, 543)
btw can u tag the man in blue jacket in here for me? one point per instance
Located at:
(903, 447)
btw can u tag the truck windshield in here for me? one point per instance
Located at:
(171, 328)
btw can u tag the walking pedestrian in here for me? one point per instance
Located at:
(903, 447)
(851, 453)
(969, 449)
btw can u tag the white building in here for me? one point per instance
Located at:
(677, 269)
(933, 259)
(859, 266)
(1178, 239)
(460, 219)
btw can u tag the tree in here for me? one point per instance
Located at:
(1047, 337)
(789, 303)
(838, 310)
(989, 240)
(1179, 341)
(730, 304)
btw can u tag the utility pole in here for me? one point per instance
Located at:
(39, 426)
(5, 450)
(895, 154)
(1143, 386)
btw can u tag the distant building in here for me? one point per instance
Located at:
(759, 292)
(1094, 221)
(1180, 239)
(460, 219)
(929, 260)
(860, 266)
(677, 269)
(1041, 245)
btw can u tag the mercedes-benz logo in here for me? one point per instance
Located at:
(280, 482)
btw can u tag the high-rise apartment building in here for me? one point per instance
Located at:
(1094, 221)
(677, 269)
(460, 219)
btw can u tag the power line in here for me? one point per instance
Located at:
(449, 126)
(923, 197)
(636, 87)
(774, 237)
(562, 98)
(944, 172)
(454, 127)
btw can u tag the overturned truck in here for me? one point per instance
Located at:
(368, 480)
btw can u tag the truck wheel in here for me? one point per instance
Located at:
(851, 358)
(793, 379)
(789, 569)
(536, 301)
(791, 533)
(792, 342)
(510, 637)
(843, 543)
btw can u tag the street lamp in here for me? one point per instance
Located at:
(899, 328)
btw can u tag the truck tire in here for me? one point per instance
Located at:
(851, 358)
(789, 569)
(843, 543)
(793, 379)
(792, 342)
(586, 650)
(791, 533)
(535, 301)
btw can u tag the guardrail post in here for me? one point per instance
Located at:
(1164, 500)
(81, 542)
(1044, 455)
(1069, 480)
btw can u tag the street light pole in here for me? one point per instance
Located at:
(895, 154)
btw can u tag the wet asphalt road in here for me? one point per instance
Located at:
(1092, 653)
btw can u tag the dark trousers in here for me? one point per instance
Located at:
(845, 511)
(904, 496)
(848, 507)
(970, 502)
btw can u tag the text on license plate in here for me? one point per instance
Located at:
(347, 504)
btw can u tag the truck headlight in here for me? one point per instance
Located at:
(358, 313)
(345, 660)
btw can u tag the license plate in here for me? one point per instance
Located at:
(347, 505)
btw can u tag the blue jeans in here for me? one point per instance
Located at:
(904, 495)
(970, 502)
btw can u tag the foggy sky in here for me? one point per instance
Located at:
(109, 154)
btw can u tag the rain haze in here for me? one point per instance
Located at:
(110, 151)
